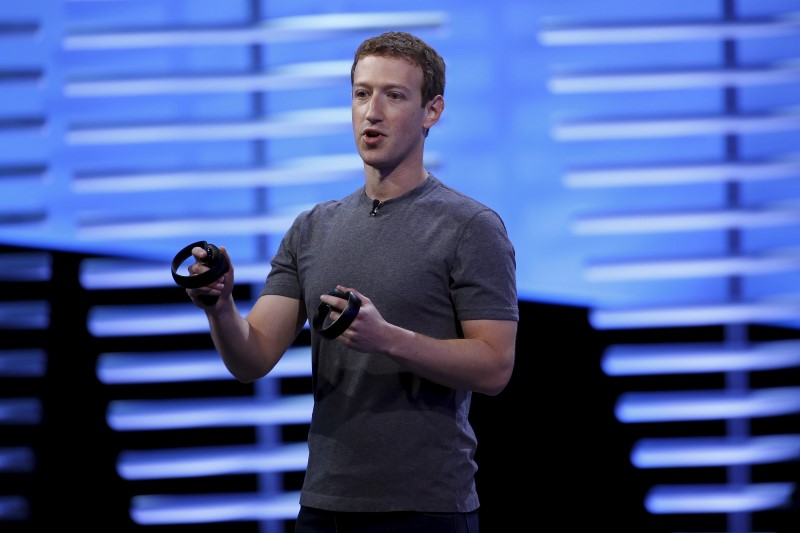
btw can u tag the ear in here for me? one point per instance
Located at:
(433, 111)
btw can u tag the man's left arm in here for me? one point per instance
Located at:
(481, 361)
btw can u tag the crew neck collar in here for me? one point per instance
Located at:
(416, 191)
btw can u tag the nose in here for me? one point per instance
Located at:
(374, 109)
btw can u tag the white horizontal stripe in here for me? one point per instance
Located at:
(692, 268)
(17, 459)
(148, 415)
(674, 406)
(186, 227)
(681, 174)
(14, 507)
(663, 81)
(685, 221)
(211, 461)
(23, 362)
(25, 315)
(180, 366)
(20, 411)
(301, 171)
(674, 127)
(693, 499)
(293, 77)
(654, 33)
(111, 273)
(144, 320)
(289, 29)
(714, 451)
(691, 358)
(694, 315)
(26, 266)
(305, 123)
(207, 508)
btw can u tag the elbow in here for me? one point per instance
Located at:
(496, 387)
(499, 379)
(246, 375)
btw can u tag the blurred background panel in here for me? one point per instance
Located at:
(645, 158)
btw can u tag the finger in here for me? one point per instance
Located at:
(227, 259)
(354, 291)
(199, 253)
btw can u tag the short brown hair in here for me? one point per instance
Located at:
(402, 45)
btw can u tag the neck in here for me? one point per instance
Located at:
(386, 187)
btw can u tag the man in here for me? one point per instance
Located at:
(390, 444)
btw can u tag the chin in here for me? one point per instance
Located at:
(372, 161)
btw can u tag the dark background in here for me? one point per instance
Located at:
(551, 453)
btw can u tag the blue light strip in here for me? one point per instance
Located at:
(655, 128)
(305, 171)
(686, 221)
(112, 273)
(644, 176)
(714, 451)
(181, 366)
(26, 411)
(288, 29)
(145, 320)
(652, 359)
(161, 509)
(718, 498)
(211, 461)
(290, 124)
(674, 406)
(662, 33)
(298, 76)
(695, 315)
(693, 268)
(31, 362)
(186, 228)
(26, 266)
(25, 315)
(677, 80)
(149, 415)
(14, 508)
(17, 459)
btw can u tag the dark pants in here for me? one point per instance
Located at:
(311, 520)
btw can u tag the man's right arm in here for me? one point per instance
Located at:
(251, 346)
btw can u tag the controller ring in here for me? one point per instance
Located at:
(217, 266)
(331, 330)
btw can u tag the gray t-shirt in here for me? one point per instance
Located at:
(382, 438)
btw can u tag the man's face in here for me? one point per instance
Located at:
(388, 117)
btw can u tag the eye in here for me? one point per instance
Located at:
(395, 96)
(359, 93)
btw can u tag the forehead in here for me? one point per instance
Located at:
(387, 71)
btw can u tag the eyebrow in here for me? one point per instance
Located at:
(390, 87)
